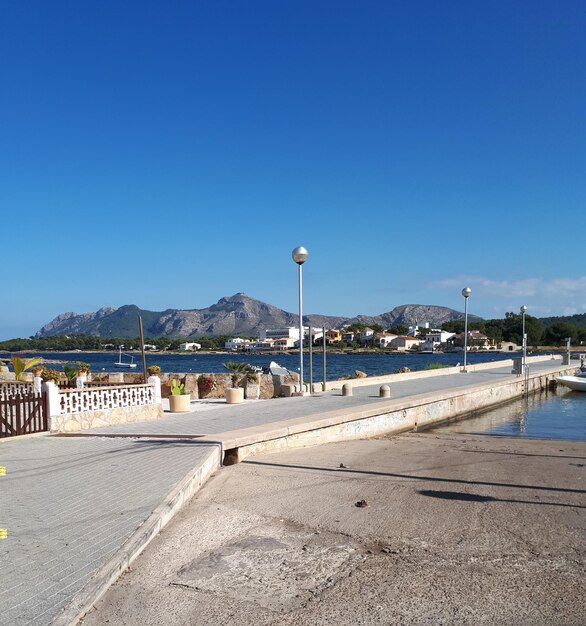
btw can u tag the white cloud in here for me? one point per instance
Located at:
(530, 287)
(545, 296)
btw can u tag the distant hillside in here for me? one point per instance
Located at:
(236, 315)
(578, 320)
(411, 314)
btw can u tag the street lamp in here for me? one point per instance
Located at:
(523, 311)
(300, 255)
(466, 293)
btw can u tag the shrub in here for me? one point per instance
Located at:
(51, 376)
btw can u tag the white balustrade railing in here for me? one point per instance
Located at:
(10, 389)
(100, 398)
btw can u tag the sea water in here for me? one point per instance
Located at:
(337, 365)
(547, 415)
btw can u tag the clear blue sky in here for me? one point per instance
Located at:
(167, 154)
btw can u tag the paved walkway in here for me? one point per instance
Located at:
(69, 504)
(210, 417)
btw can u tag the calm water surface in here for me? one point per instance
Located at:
(553, 415)
(337, 365)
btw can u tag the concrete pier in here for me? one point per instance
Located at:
(94, 501)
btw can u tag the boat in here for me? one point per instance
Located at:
(120, 363)
(576, 383)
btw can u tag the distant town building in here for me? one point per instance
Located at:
(404, 343)
(383, 340)
(348, 337)
(333, 336)
(236, 343)
(190, 346)
(414, 330)
(281, 333)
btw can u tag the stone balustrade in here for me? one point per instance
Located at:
(103, 398)
(12, 388)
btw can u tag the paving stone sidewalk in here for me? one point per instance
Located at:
(215, 416)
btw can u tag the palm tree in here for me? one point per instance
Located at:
(241, 373)
(20, 365)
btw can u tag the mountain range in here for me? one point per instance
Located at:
(235, 315)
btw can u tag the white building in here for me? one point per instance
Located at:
(404, 343)
(282, 333)
(414, 330)
(434, 339)
(383, 340)
(190, 346)
(236, 343)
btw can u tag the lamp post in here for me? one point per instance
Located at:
(466, 293)
(299, 255)
(523, 311)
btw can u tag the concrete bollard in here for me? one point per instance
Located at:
(346, 389)
(384, 391)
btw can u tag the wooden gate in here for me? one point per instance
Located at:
(23, 413)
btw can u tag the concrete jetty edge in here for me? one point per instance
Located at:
(387, 418)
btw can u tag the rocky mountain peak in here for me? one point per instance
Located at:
(231, 315)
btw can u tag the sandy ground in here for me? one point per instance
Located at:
(454, 529)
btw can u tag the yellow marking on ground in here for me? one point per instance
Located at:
(3, 533)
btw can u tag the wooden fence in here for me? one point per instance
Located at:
(23, 413)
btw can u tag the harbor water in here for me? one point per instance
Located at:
(549, 415)
(337, 365)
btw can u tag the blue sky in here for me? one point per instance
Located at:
(168, 154)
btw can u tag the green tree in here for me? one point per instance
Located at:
(556, 334)
(399, 329)
(455, 326)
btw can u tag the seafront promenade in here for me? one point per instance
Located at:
(79, 509)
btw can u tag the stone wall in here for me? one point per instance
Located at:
(268, 387)
(75, 422)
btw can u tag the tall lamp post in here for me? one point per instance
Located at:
(523, 311)
(300, 255)
(466, 293)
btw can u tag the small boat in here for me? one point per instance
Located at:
(576, 383)
(121, 363)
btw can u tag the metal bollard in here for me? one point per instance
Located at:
(346, 389)
(384, 391)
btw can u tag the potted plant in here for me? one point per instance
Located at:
(179, 399)
(241, 373)
(206, 385)
(154, 370)
(83, 369)
(37, 370)
(51, 376)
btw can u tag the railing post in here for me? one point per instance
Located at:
(37, 384)
(53, 400)
(156, 381)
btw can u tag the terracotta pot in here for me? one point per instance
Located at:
(180, 404)
(234, 395)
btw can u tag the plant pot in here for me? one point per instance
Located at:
(180, 404)
(234, 395)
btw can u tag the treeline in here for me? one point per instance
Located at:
(510, 329)
(63, 343)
